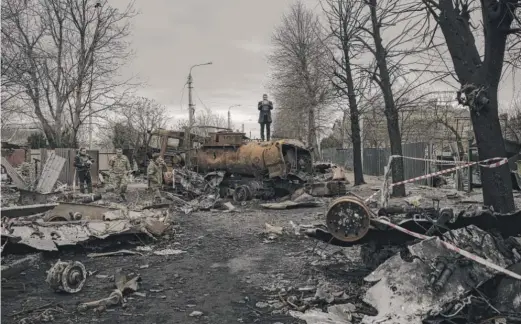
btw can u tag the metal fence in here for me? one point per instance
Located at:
(342, 157)
(68, 173)
(375, 159)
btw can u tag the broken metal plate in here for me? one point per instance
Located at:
(49, 236)
(327, 188)
(20, 211)
(402, 292)
(88, 212)
(336, 314)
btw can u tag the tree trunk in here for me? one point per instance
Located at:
(76, 121)
(497, 182)
(391, 113)
(395, 139)
(343, 127)
(355, 122)
(357, 149)
(479, 78)
(312, 137)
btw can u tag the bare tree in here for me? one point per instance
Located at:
(297, 63)
(144, 115)
(441, 112)
(479, 75)
(205, 122)
(343, 20)
(285, 125)
(135, 117)
(387, 69)
(64, 57)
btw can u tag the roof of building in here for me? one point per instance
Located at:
(18, 135)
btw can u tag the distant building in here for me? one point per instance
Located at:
(17, 134)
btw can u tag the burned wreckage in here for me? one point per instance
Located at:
(446, 266)
(257, 170)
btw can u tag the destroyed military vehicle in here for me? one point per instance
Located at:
(248, 169)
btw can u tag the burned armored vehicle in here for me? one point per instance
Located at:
(247, 169)
(254, 169)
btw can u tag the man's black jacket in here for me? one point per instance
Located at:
(80, 162)
(265, 111)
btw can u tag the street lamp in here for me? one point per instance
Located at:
(191, 113)
(191, 106)
(230, 117)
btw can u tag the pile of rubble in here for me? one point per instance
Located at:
(433, 265)
(430, 264)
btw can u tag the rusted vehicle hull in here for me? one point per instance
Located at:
(276, 159)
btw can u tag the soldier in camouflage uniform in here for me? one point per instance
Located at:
(119, 170)
(155, 175)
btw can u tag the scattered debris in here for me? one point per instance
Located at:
(155, 227)
(67, 276)
(329, 171)
(337, 314)
(50, 173)
(273, 229)
(229, 206)
(115, 298)
(51, 235)
(118, 253)
(69, 224)
(124, 286)
(18, 181)
(19, 211)
(169, 252)
(18, 266)
(435, 276)
(291, 204)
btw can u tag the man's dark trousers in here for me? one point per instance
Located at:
(84, 177)
(268, 130)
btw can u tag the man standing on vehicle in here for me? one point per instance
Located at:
(119, 171)
(82, 163)
(265, 107)
(155, 175)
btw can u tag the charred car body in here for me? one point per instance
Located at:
(253, 169)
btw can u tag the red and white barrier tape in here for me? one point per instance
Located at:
(372, 196)
(430, 160)
(453, 248)
(500, 162)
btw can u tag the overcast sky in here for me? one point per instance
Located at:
(169, 36)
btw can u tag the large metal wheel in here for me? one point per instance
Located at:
(67, 276)
(74, 277)
(348, 219)
(242, 193)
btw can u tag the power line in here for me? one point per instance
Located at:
(182, 95)
(197, 95)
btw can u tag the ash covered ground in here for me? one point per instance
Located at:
(229, 267)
